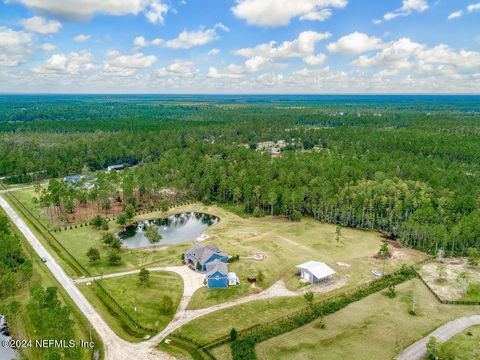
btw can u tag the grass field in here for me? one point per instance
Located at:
(22, 328)
(219, 323)
(144, 303)
(376, 327)
(448, 287)
(464, 346)
(284, 244)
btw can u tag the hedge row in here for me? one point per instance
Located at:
(244, 347)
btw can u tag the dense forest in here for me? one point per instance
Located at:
(50, 318)
(407, 166)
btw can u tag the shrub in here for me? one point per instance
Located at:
(114, 259)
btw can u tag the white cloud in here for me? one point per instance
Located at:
(355, 43)
(213, 52)
(40, 25)
(315, 59)
(408, 6)
(302, 46)
(14, 46)
(181, 67)
(81, 38)
(125, 65)
(455, 14)
(473, 7)
(140, 42)
(396, 55)
(73, 63)
(214, 74)
(443, 54)
(280, 12)
(47, 47)
(154, 10)
(188, 39)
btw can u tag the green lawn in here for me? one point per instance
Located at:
(376, 327)
(145, 304)
(219, 323)
(464, 346)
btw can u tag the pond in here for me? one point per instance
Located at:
(5, 353)
(176, 229)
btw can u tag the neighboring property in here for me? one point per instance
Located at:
(203, 255)
(275, 151)
(115, 167)
(72, 179)
(316, 272)
(217, 274)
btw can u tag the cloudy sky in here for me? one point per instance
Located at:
(240, 46)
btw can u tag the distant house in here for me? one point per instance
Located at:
(203, 255)
(275, 151)
(217, 274)
(115, 167)
(72, 179)
(316, 272)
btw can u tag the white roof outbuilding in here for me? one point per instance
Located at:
(318, 269)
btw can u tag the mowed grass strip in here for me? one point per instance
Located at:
(218, 324)
(376, 327)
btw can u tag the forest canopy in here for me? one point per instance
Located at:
(407, 166)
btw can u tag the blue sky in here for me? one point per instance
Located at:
(240, 46)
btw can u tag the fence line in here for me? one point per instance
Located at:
(444, 301)
(45, 229)
(124, 312)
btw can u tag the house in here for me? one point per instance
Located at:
(203, 255)
(275, 151)
(72, 179)
(316, 272)
(217, 274)
(115, 167)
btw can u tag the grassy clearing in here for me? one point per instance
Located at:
(464, 346)
(376, 327)
(448, 287)
(22, 328)
(219, 323)
(145, 304)
(284, 244)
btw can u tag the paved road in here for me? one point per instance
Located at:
(444, 333)
(115, 347)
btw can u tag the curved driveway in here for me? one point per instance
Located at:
(444, 333)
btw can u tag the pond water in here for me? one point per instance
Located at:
(175, 229)
(5, 353)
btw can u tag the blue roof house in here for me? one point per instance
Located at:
(217, 274)
(203, 255)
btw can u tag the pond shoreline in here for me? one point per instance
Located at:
(178, 228)
(5, 352)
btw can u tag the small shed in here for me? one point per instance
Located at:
(316, 272)
(233, 279)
